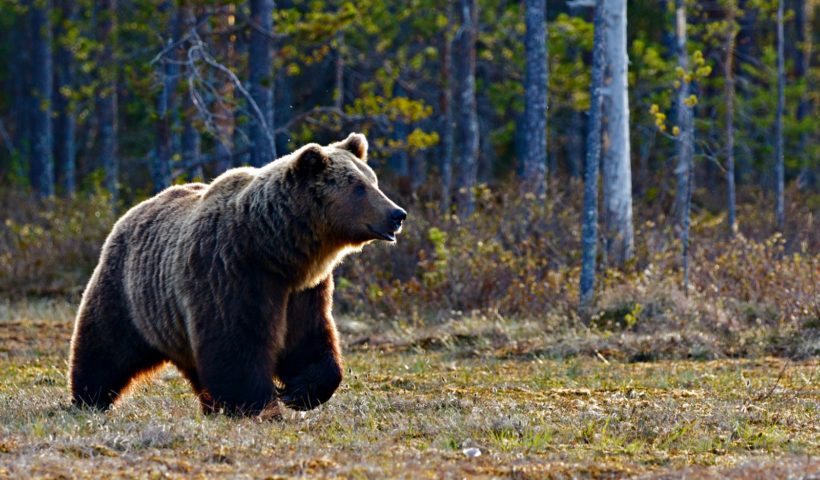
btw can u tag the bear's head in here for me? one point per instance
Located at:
(346, 191)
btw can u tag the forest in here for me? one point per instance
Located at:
(612, 208)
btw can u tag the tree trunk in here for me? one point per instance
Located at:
(468, 123)
(64, 121)
(729, 98)
(107, 95)
(803, 25)
(224, 119)
(617, 174)
(589, 233)
(21, 94)
(447, 130)
(41, 160)
(684, 171)
(535, 98)
(161, 163)
(190, 141)
(781, 80)
(263, 147)
(683, 114)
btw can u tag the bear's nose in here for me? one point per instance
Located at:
(398, 216)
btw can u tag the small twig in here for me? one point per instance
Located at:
(768, 394)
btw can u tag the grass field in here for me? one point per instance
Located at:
(416, 404)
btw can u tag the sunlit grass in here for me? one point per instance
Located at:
(410, 406)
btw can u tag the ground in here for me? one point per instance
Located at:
(416, 404)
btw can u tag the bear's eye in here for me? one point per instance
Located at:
(359, 190)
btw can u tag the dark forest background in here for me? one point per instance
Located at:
(621, 163)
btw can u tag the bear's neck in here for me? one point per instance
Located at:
(283, 234)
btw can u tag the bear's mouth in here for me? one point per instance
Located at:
(390, 237)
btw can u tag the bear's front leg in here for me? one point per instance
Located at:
(310, 366)
(236, 357)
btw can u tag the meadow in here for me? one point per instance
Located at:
(476, 398)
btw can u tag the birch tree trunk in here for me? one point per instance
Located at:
(64, 121)
(617, 173)
(683, 115)
(684, 171)
(589, 232)
(41, 160)
(263, 147)
(465, 71)
(781, 80)
(729, 98)
(107, 95)
(535, 98)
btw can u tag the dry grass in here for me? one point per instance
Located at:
(413, 400)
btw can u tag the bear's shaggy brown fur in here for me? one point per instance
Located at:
(232, 283)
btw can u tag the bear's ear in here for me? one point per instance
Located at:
(356, 144)
(311, 161)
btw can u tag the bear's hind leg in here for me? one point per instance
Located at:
(107, 352)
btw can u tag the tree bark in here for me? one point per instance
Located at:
(803, 28)
(161, 162)
(224, 119)
(683, 115)
(447, 130)
(589, 231)
(535, 98)
(263, 147)
(781, 81)
(64, 121)
(190, 141)
(684, 171)
(617, 173)
(465, 71)
(41, 160)
(729, 98)
(21, 94)
(107, 95)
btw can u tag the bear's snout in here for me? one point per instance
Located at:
(397, 216)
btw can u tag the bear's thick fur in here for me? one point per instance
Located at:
(232, 283)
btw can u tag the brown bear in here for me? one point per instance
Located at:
(232, 283)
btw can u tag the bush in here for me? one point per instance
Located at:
(517, 256)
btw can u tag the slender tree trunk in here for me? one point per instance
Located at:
(41, 160)
(468, 153)
(729, 98)
(339, 67)
(21, 93)
(190, 141)
(683, 114)
(684, 171)
(64, 121)
(447, 130)
(589, 232)
(535, 98)
(107, 95)
(574, 148)
(161, 164)
(617, 170)
(224, 119)
(781, 80)
(803, 27)
(263, 148)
